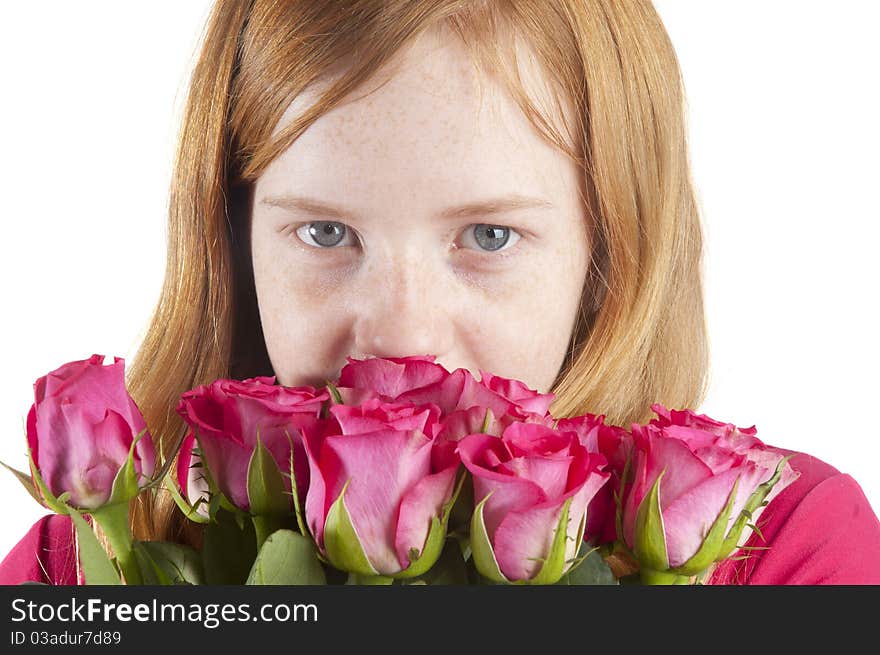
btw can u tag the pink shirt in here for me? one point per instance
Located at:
(820, 530)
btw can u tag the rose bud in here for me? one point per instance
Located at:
(88, 441)
(696, 483)
(532, 487)
(230, 417)
(374, 506)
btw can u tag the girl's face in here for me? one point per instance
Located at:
(420, 219)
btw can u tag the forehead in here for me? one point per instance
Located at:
(428, 115)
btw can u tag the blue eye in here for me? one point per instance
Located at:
(492, 238)
(482, 237)
(323, 234)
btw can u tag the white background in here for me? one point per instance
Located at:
(784, 133)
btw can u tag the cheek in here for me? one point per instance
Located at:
(524, 323)
(300, 326)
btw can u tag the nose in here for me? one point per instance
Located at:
(403, 310)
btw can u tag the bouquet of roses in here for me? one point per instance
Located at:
(399, 472)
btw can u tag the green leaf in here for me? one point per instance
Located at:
(341, 542)
(177, 563)
(228, 549)
(709, 549)
(96, 565)
(265, 486)
(590, 569)
(287, 558)
(483, 554)
(151, 572)
(650, 539)
(555, 563)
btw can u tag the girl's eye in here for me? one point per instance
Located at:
(491, 238)
(332, 234)
(324, 234)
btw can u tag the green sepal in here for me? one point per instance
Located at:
(419, 563)
(189, 511)
(754, 502)
(462, 510)
(26, 481)
(618, 497)
(482, 551)
(341, 542)
(214, 506)
(169, 563)
(125, 484)
(287, 558)
(650, 539)
(164, 465)
(487, 420)
(709, 549)
(96, 565)
(265, 486)
(555, 564)
(334, 393)
(294, 490)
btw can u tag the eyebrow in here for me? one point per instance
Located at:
(487, 207)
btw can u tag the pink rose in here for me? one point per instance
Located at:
(81, 428)
(522, 397)
(387, 378)
(371, 470)
(225, 417)
(419, 380)
(191, 478)
(614, 444)
(523, 482)
(700, 461)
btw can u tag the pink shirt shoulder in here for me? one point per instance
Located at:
(46, 554)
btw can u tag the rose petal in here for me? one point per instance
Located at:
(418, 508)
(380, 468)
(688, 519)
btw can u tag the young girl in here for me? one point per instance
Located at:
(502, 185)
